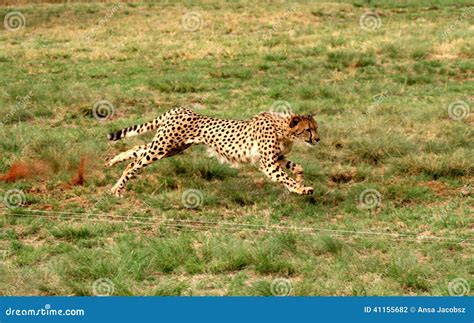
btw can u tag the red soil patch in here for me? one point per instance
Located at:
(79, 179)
(18, 170)
(42, 171)
(21, 170)
(38, 168)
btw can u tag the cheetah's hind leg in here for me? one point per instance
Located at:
(154, 152)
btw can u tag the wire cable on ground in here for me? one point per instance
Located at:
(199, 224)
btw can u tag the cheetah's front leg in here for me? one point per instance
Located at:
(135, 152)
(295, 168)
(274, 171)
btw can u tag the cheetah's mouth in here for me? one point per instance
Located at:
(311, 143)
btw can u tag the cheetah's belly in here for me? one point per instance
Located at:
(253, 155)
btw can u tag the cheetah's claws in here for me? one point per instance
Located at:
(108, 162)
(116, 191)
(304, 190)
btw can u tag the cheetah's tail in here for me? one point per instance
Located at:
(135, 130)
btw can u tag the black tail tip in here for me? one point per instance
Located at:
(117, 135)
(112, 136)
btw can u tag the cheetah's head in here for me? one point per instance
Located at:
(304, 128)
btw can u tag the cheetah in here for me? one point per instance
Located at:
(265, 140)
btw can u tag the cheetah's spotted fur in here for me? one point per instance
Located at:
(264, 139)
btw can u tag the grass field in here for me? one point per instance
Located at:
(391, 90)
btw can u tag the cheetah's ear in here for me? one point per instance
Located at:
(294, 121)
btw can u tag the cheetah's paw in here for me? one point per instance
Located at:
(117, 191)
(304, 190)
(109, 162)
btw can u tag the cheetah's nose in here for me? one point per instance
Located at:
(317, 140)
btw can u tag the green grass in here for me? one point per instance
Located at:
(381, 98)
